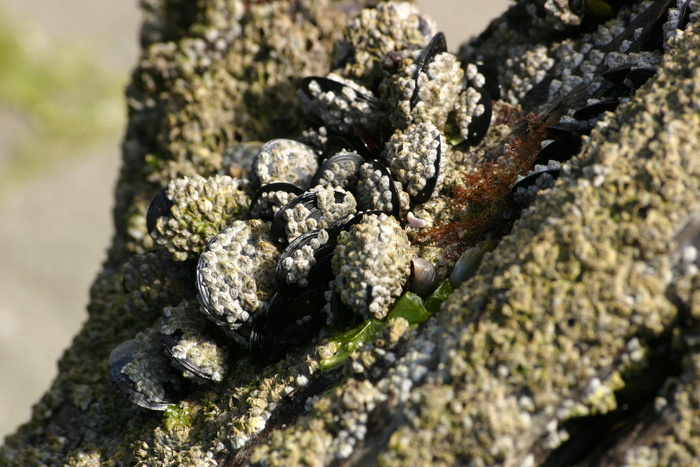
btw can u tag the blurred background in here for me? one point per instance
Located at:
(63, 69)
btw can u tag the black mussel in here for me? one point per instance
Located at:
(305, 261)
(264, 349)
(480, 76)
(472, 114)
(357, 140)
(141, 372)
(340, 170)
(436, 46)
(284, 160)
(564, 131)
(268, 199)
(335, 144)
(338, 314)
(424, 27)
(560, 150)
(315, 209)
(526, 189)
(330, 85)
(376, 190)
(431, 184)
(296, 319)
(160, 207)
(638, 76)
(190, 343)
(340, 104)
(468, 264)
(424, 278)
(531, 179)
(684, 15)
(597, 108)
(629, 75)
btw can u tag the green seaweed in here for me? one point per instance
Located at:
(177, 416)
(410, 307)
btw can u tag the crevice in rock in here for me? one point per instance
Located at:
(601, 439)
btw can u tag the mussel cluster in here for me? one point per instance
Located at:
(595, 78)
(317, 235)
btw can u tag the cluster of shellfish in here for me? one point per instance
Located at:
(318, 234)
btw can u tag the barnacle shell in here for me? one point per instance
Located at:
(371, 263)
(193, 350)
(201, 208)
(236, 273)
(301, 256)
(377, 191)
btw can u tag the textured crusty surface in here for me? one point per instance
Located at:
(575, 342)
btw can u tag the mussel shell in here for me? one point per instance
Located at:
(296, 319)
(121, 356)
(347, 163)
(684, 16)
(340, 316)
(560, 150)
(264, 349)
(563, 130)
(395, 199)
(531, 179)
(269, 188)
(629, 75)
(159, 207)
(597, 108)
(468, 263)
(320, 272)
(172, 340)
(492, 86)
(429, 188)
(637, 77)
(278, 231)
(299, 163)
(336, 87)
(479, 126)
(436, 46)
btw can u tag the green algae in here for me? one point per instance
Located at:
(409, 307)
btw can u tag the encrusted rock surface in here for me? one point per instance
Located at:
(576, 341)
